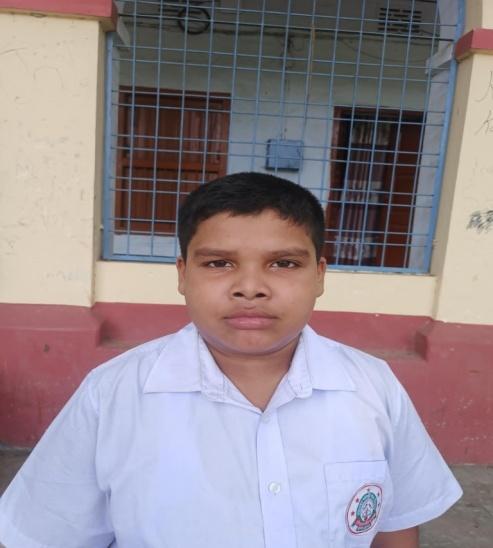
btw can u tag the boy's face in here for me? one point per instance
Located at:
(250, 282)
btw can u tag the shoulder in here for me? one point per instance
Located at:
(341, 365)
(364, 367)
(325, 352)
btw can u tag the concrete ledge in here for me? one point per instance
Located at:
(475, 41)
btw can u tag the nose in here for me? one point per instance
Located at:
(250, 284)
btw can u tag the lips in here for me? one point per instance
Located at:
(250, 319)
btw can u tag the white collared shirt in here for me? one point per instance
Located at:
(158, 449)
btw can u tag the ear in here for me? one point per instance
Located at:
(181, 267)
(321, 268)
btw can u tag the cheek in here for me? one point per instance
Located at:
(300, 294)
(201, 295)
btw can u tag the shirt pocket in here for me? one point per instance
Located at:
(358, 494)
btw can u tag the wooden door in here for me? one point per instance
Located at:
(169, 144)
(373, 177)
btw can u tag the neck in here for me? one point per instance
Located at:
(256, 376)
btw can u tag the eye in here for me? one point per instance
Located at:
(218, 263)
(285, 263)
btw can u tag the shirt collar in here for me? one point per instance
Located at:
(186, 365)
(177, 368)
(328, 363)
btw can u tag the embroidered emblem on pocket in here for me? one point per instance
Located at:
(364, 508)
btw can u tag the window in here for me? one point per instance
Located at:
(349, 99)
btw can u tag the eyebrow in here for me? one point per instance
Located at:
(287, 252)
(290, 252)
(209, 251)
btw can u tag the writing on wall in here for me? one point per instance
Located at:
(481, 221)
(487, 124)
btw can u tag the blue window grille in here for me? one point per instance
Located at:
(349, 99)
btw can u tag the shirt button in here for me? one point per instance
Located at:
(265, 418)
(274, 487)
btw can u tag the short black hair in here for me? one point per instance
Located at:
(251, 193)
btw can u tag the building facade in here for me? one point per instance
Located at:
(111, 112)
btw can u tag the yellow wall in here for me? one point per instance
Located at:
(344, 291)
(51, 116)
(463, 258)
(49, 161)
(474, 13)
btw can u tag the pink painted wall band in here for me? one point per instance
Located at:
(476, 40)
(104, 10)
(46, 350)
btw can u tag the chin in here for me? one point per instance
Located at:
(257, 344)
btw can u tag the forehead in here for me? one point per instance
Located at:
(265, 229)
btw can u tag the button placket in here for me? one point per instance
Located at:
(275, 498)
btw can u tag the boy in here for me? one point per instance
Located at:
(245, 429)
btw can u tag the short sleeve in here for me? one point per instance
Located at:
(423, 485)
(55, 501)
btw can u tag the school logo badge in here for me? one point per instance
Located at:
(364, 508)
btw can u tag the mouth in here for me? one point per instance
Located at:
(249, 319)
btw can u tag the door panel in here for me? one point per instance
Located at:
(169, 144)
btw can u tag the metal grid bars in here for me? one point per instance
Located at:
(349, 99)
